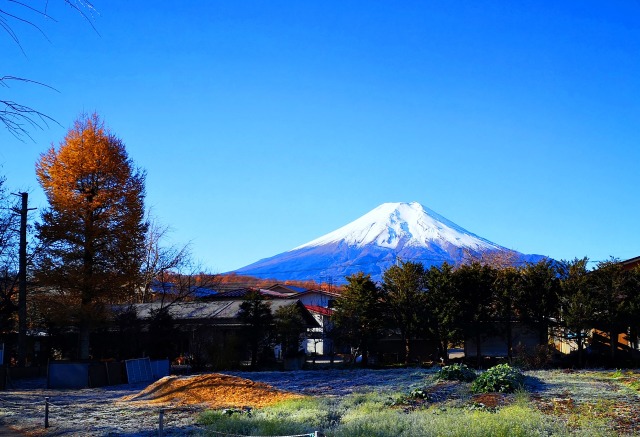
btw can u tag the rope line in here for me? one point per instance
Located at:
(21, 404)
(222, 434)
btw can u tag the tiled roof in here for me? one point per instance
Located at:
(238, 292)
(292, 288)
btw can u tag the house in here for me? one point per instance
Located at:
(631, 263)
(286, 289)
(320, 304)
(165, 290)
(205, 331)
(494, 342)
(597, 338)
(318, 340)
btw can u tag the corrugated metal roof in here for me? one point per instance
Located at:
(272, 293)
(159, 287)
(215, 311)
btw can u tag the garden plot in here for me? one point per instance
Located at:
(412, 402)
(595, 398)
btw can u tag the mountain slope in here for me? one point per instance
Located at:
(375, 241)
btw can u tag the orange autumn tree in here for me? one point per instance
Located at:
(92, 234)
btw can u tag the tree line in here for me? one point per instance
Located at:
(448, 305)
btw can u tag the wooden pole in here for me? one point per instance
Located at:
(22, 283)
(46, 412)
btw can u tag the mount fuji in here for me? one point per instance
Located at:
(375, 241)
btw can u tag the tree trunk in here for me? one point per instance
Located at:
(543, 334)
(443, 352)
(407, 349)
(580, 347)
(613, 343)
(83, 341)
(478, 349)
(509, 341)
(254, 354)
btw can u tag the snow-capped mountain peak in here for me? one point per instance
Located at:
(374, 242)
(407, 224)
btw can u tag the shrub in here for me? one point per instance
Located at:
(501, 378)
(456, 372)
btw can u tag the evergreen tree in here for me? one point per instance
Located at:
(613, 294)
(358, 314)
(474, 283)
(539, 296)
(445, 307)
(505, 290)
(577, 303)
(257, 319)
(404, 289)
(289, 328)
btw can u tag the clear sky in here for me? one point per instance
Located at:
(265, 124)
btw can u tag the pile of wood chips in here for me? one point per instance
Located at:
(214, 390)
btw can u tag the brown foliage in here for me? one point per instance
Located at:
(92, 234)
(233, 280)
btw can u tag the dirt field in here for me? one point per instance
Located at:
(134, 410)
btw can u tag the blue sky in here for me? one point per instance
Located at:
(263, 125)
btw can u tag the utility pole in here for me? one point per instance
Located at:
(22, 281)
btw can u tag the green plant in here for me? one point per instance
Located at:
(419, 393)
(456, 372)
(501, 378)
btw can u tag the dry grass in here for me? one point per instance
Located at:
(213, 390)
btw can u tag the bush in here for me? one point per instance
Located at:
(456, 372)
(501, 378)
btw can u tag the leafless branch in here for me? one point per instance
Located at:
(17, 118)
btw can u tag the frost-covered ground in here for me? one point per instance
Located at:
(89, 412)
(571, 396)
(100, 412)
(340, 382)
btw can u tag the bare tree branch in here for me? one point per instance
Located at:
(17, 118)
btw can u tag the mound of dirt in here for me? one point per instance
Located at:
(215, 390)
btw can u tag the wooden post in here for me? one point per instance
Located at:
(46, 412)
(161, 424)
(22, 282)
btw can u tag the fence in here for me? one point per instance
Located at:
(54, 414)
(221, 434)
